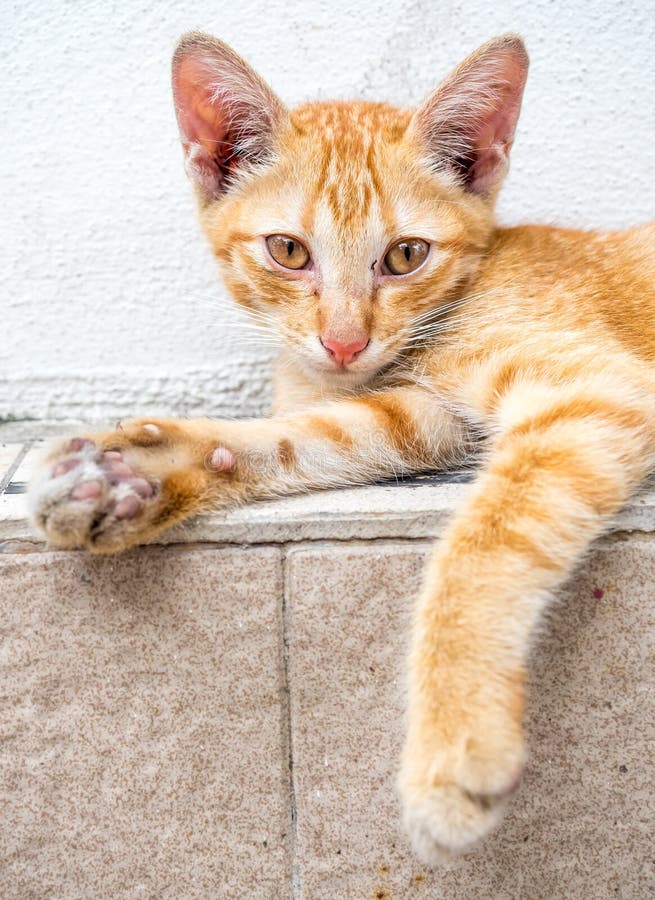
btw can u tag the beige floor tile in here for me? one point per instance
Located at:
(582, 823)
(143, 732)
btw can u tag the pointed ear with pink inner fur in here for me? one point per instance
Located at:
(467, 125)
(228, 116)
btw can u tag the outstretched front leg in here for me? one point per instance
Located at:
(109, 491)
(561, 466)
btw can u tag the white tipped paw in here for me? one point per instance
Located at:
(454, 797)
(448, 820)
(88, 497)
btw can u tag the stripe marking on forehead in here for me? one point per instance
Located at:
(348, 179)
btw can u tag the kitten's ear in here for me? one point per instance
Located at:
(228, 116)
(468, 123)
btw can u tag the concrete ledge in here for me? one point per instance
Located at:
(224, 720)
(413, 508)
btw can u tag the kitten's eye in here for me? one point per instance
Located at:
(287, 251)
(405, 256)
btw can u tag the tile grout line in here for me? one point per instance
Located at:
(288, 732)
(13, 468)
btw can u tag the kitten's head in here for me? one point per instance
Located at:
(345, 223)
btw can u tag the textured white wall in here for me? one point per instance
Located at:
(110, 301)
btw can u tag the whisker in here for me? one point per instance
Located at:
(431, 323)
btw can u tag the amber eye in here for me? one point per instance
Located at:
(405, 256)
(287, 251)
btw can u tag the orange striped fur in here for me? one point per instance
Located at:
(532, 347)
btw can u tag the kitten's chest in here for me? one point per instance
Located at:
(295, 389)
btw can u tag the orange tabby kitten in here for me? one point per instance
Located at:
(415, 331)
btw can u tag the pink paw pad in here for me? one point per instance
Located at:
(87, 490)
(117, 470)
(222, 460)
(79, 443)
(141, 487)
(99, 473)
(128, 507)
(63, 467)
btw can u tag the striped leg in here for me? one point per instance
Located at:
(554, 477)
(110, 491)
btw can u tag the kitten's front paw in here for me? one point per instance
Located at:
(455, 781)
(85, 496)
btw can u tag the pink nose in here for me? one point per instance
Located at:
(345, 353)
